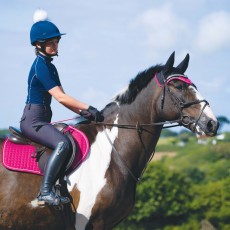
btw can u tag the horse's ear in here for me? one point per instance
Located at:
(169, 64)
(184, 64)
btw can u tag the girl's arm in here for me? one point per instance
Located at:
(71, 103)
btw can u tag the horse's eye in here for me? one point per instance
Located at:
(179, 87)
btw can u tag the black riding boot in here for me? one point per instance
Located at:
(54, 164)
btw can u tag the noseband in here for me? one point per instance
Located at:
(184, 119)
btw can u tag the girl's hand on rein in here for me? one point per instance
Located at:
(92, 114)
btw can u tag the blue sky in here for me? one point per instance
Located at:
(109, 42)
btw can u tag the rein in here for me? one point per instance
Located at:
(139, 126)
(184, 120)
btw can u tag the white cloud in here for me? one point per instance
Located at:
(213, 32)
(164, 28)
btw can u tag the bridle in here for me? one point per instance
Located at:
(183, 120)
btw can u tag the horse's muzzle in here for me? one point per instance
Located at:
(211, 128)
(203, 126)
(208, 127)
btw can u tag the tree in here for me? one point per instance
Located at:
(162, 194)
(168, 133)
(223, 120)
(3, 133)
(212, 202)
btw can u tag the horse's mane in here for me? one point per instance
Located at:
(137, 84)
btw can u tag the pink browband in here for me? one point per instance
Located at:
(174, 77)
(181, 78)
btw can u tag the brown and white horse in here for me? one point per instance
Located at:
(103, 186)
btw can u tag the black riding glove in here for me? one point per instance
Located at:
(92, 114)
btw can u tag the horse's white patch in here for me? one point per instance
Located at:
(207, 111)
(33, 203)
(90, 176)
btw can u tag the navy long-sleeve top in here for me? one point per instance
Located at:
(43, 76)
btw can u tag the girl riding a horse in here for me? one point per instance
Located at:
(43, 84)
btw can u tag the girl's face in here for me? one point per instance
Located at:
(51, 46)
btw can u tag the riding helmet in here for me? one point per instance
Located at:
(43, 29)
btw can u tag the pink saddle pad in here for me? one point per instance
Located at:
(19, 158)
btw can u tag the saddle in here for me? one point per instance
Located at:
(22, 154)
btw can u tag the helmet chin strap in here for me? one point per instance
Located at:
(42, 49)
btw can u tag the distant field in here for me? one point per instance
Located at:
(159, 155)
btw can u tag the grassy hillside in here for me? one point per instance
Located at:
(3, 133)
(209, 159)
(187, 188)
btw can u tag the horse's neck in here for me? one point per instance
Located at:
(141, 143)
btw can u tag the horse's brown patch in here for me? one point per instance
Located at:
(75, 194)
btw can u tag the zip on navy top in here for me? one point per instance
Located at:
(43, 76)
